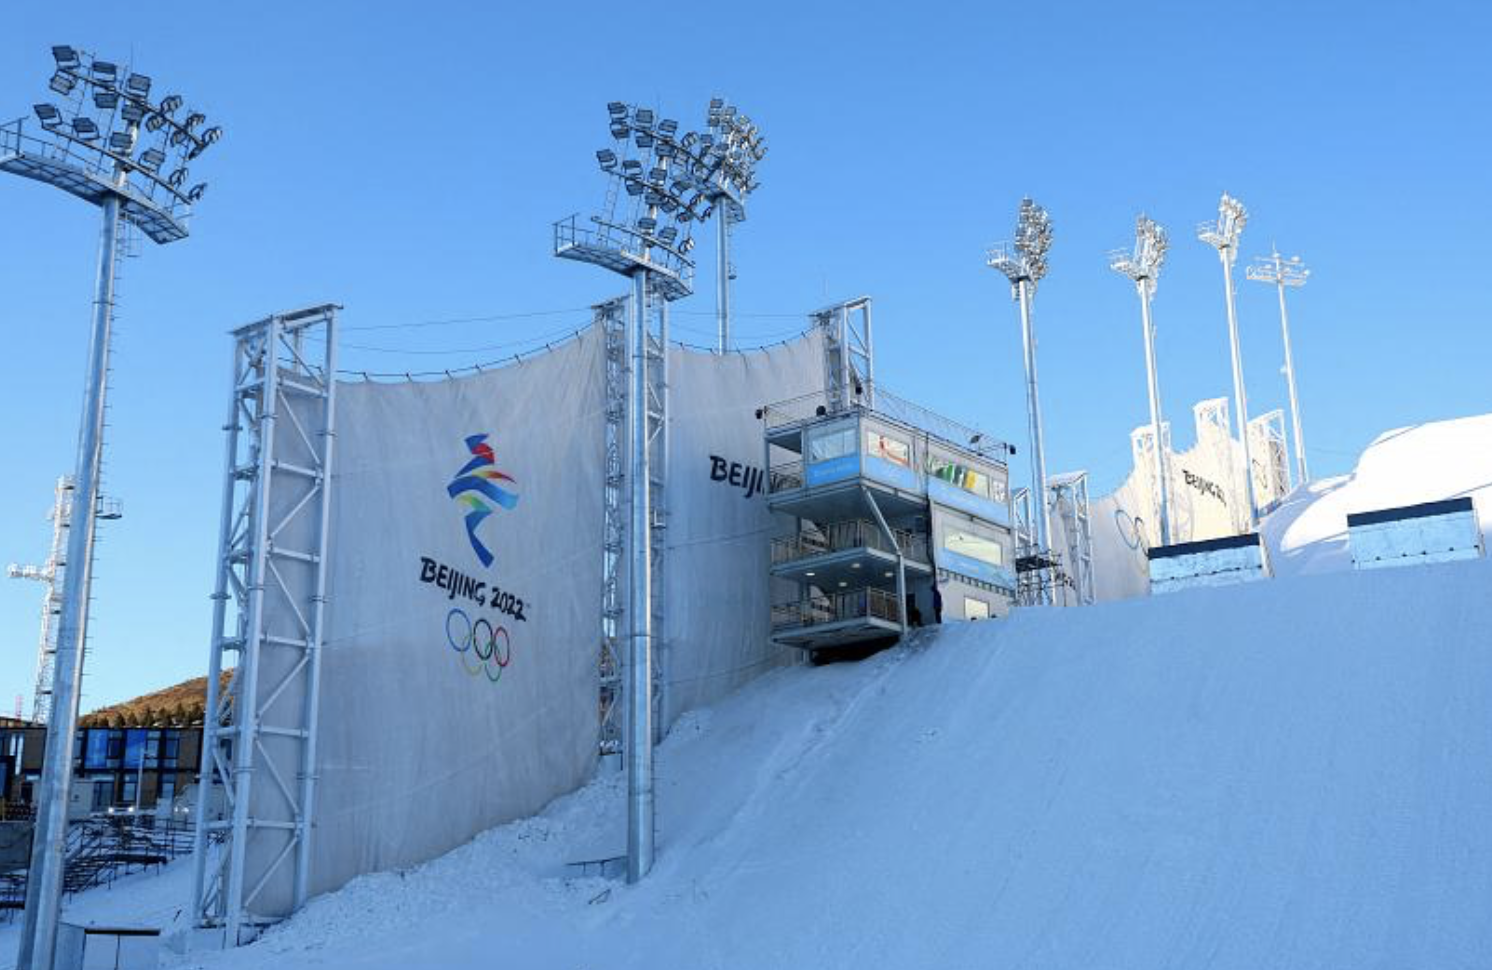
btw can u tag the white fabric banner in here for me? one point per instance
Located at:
(717, 628)
(459, 677)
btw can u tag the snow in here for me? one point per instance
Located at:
(1406, 466)
(1289, 773)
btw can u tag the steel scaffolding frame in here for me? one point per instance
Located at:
(849, 353)
(1144, 450)
(657, 415)
(611, 321)
(1069, 499)
(1272, 466)
(271, 571)
(1213, 426)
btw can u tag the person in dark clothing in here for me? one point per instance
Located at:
(937, 603)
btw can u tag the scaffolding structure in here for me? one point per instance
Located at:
(611, 321)
(1150, 457)
(1271, 469)
(849, 353)
(1068, 494)
(260, 730)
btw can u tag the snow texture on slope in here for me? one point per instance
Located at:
(1292, 773)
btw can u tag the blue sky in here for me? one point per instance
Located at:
(407, 161)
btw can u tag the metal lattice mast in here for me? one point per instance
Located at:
(1282, 273)
(49, 573)
(260, 730)
(669, 180)
(737, 142)
(105, 144)
(1024, 264)
(1223, 236)
(611, 322)
(1070, 498)
(1143, 265)
(849, 353)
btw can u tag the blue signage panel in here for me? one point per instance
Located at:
(975, 568)
(832, 470)
(890, 473)
(957, 498)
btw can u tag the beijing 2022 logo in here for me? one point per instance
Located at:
(477, 482)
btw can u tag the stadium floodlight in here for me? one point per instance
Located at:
(1142, 265)
(654, 170)
(1024, 264)
(727, 173)
(1223, 235)
(69, 153)
(138, 86)
(1282, 273)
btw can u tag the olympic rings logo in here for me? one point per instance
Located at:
(482, 647)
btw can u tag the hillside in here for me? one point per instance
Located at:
(1288, 774)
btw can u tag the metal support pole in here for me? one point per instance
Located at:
(1162, 453)
(1300, 453)
(1041, 524)
(1239, 394)
(722, 283)
(44, 882)
(220, 597)
(639, 653)
(901, 560)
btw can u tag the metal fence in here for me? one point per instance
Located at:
(821, 608)
(851, 534)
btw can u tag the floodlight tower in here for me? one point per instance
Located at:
(737, 143)
(1143, 267)
(1282, 273)
(1223, 235)
(92, 146)
(646, 235)
(1024, 264)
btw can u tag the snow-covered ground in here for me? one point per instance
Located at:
(1294, 773)
(1406, 466)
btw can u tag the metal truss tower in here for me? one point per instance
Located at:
(260, 731)
(1069, 499)
(669, 180)
(849, 353)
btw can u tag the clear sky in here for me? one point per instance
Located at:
(407, 161)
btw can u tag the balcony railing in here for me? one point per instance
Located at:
(855, 604)
(786, 477)
(840, 536)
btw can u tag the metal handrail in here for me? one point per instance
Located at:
(883, 403)
(850, 534)
(785, 477)
(821, 608)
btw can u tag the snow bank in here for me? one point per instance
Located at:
(1423, 463)
(1292, 773)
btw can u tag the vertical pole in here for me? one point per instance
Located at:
(1162, 453)
(1300, 453)
(661, 644)
(220, 596)
(639, 658)
(302, 882)
(44, 882)
(722, 273)
(245, 732)
(1240, 396)
(1040, 524)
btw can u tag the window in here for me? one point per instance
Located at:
(975, 609)
(127, 796)
(172, 749)
(134, 747)
(115, 749)
(168, 790)
(98, 750)
(153, 750)
(894, 450)
(966, 543)
(831, 443)
(960, 476)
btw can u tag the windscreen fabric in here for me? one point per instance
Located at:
(459, 677)
(719, 533)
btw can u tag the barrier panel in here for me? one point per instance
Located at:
(1211, 562)
(1443, 531)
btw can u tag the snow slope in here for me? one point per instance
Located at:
(1406, 466)
(1293, 773)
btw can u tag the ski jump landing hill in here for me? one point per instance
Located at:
(1291, 773)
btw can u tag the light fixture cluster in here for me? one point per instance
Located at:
(734, 145)
(1025, 260)
(666, 173)
(1223, 234)
(108, 110)
(1144, 262)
